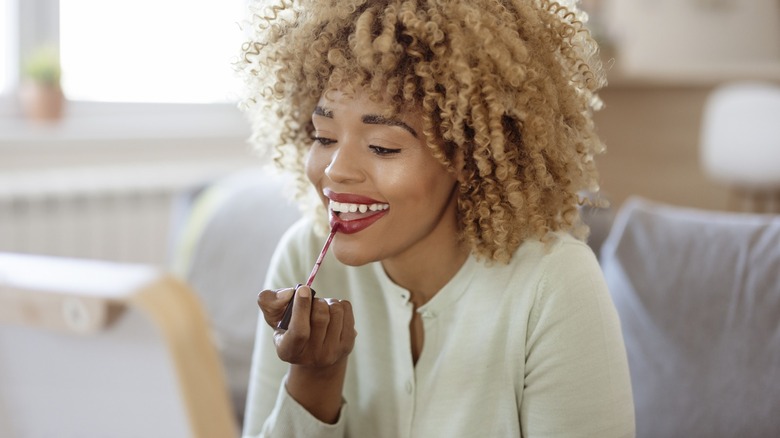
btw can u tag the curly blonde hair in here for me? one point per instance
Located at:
(508, 86)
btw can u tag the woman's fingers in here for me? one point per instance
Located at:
(320, 333)
(348, 332)
(320, 320)
(332, 341)
(300, 327)
(273, 303)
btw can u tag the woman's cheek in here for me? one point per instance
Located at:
(313, 170)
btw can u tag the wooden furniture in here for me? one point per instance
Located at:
(95, 349)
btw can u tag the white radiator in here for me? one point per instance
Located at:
(128, 227)
(120, 214)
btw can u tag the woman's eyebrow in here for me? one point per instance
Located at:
(324, 112)
(373, 119)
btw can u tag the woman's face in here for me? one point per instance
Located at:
(390, 198)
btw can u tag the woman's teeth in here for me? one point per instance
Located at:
(344, 207)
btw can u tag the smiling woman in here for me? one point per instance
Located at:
(363, 158)
(446, 143)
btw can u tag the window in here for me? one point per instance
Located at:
(6, 26)
(150, 50)
(158, 51)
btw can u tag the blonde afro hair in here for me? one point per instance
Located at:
(508, 87)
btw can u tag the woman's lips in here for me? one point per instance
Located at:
(354, 213)
(348, 198)
(357, 224)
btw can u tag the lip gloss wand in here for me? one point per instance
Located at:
(285, 322)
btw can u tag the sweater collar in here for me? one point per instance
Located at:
(447, 295)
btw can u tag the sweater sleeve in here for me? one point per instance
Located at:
(270, 410)
(577, 382)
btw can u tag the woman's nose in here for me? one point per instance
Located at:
(345, 164)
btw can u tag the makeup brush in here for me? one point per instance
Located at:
(288, 310)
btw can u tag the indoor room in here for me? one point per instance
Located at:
(139, 217)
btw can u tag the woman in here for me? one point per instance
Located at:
(448, 142)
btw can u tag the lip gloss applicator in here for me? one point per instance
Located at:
(285, 322)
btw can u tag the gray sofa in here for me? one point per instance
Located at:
(698, 294)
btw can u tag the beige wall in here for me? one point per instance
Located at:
(659, 83)
(652, 137)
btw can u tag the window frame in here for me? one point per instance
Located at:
(36, 24)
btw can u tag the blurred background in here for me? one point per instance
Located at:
(112, 114)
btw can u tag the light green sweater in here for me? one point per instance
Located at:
(531, 348)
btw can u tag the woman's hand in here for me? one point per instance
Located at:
(321, 331)
(317, 343)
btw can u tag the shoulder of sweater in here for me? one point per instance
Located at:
(537, 263)
(565, 275)
(559, 248)
(546, 266)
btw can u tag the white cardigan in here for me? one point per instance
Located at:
(532, 348)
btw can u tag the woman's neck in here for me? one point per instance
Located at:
(431, 264)
(424, 277)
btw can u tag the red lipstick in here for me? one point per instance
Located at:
(325, 247)
(285, 322)
(356, 224)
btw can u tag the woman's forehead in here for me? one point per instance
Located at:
(376, 102)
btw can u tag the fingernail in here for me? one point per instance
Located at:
(304, 292)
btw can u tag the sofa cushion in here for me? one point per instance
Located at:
(698, 295)
(223, 251)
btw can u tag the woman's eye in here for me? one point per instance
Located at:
(379, 150)
(323, 141)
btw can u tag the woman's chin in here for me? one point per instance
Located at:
(351, 258)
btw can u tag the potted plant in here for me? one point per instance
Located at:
(40, 92)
